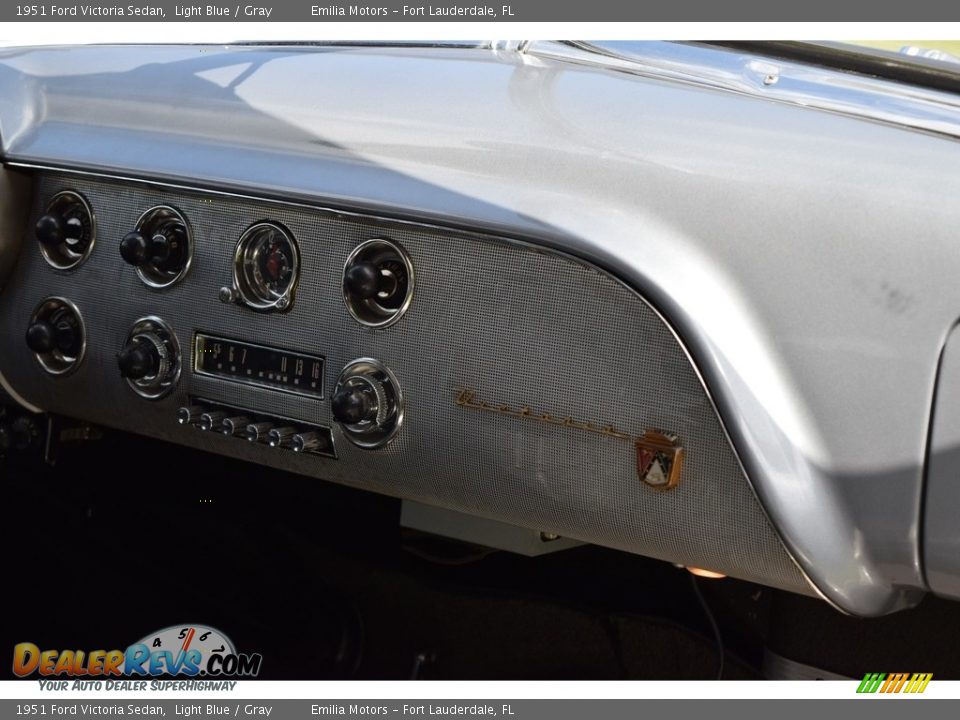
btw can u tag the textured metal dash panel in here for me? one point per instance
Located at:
(517, 325)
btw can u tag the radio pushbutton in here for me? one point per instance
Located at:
(189, 415)
(235, 426)
(211, 420)
(308, 442)
(257, 432)
(280, 437)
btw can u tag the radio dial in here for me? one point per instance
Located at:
(150, 359)
(367, 403)
(145, 355)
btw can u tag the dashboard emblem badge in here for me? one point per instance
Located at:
(659, 459)
(659, 453)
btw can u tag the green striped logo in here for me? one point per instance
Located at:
(894, 682)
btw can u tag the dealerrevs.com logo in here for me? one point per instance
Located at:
(179, 650)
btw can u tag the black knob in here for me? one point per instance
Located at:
(135, 248)
(363, 280)
(138, 359)
(352, 405)
(52, 229)
(41, 337)
(67, 336)
(163, 246)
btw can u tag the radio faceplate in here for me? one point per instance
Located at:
(258, 365)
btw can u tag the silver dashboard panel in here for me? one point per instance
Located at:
(806, 258)
(513, 324)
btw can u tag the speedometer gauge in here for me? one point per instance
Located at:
(266, 266)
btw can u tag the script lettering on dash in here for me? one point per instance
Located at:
(659, 453)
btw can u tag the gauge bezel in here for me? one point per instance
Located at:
(244, 259)
(149, 275)
(369, 312)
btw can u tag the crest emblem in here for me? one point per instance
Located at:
(659, 459)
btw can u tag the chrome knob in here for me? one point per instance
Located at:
(280, 437)
(189, 415)
(257, 432)
(235, 426)
(211, 420)
(307, 442)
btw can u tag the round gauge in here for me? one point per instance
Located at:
(266, 265)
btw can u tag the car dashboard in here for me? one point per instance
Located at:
(599, 298)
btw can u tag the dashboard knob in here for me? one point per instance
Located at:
(150, 360)
(367, 403)
(211, 420)
(363, 280)
(135, 248)
(56, 336)
(159, 246)
(138, 359)
(189, 414)
(307, 442)
(235, 426)
(41, 337)
(66, 231)
(258, 432)
(60, 330)
(54, 229)
(280, 437)
(354, 403)
(67, 335)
